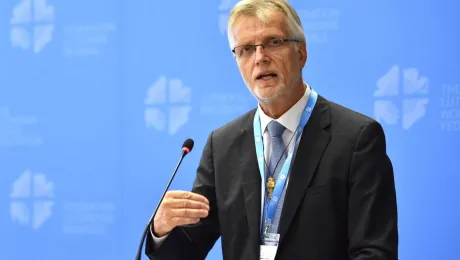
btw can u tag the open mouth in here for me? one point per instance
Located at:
(267, 76)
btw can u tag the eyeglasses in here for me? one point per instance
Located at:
(247, 50)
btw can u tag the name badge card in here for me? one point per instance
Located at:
(269, 246)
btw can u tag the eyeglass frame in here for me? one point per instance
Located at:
(254, 46)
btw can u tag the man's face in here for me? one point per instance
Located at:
(269, 72)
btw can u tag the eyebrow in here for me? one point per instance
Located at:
(267, 37)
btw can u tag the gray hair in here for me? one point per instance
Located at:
(262, 9)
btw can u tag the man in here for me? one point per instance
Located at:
(300, 177)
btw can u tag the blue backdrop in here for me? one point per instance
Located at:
(97, 96)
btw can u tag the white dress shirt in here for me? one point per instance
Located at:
(290, 120)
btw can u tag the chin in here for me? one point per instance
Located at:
(265, 96)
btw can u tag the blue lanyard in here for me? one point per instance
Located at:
(284, 173)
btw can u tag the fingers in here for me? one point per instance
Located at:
(188, 213)
(188, 196)
(184, 203)
(185, 200)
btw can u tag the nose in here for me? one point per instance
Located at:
(261, 56)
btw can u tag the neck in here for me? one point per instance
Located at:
(276, 108)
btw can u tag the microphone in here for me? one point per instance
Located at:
(186, 149)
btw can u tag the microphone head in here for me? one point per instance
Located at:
(188, 146)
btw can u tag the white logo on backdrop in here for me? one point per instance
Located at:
(87, 39)
(450, 108)
(32, 25)
(167, 112)
(13, 129)
(32, 202)
(414, 97)
(319, 23)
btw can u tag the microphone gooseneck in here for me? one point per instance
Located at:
(186, 149)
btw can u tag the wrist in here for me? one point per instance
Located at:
(158, 232)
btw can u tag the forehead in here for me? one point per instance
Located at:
(250, 28)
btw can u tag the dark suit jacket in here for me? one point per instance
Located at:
(340, 202)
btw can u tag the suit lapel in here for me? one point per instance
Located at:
(311, 147)
(251, 181)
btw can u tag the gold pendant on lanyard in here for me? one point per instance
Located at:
(270, 187)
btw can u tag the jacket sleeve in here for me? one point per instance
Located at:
(193, 242)
(372, 217)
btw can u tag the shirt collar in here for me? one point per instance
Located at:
(291, 118)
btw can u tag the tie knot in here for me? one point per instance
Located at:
(275, 129)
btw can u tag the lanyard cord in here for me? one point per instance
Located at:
(274, 169)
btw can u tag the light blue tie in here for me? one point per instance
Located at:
(277, 158)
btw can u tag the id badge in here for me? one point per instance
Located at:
(269, 246)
